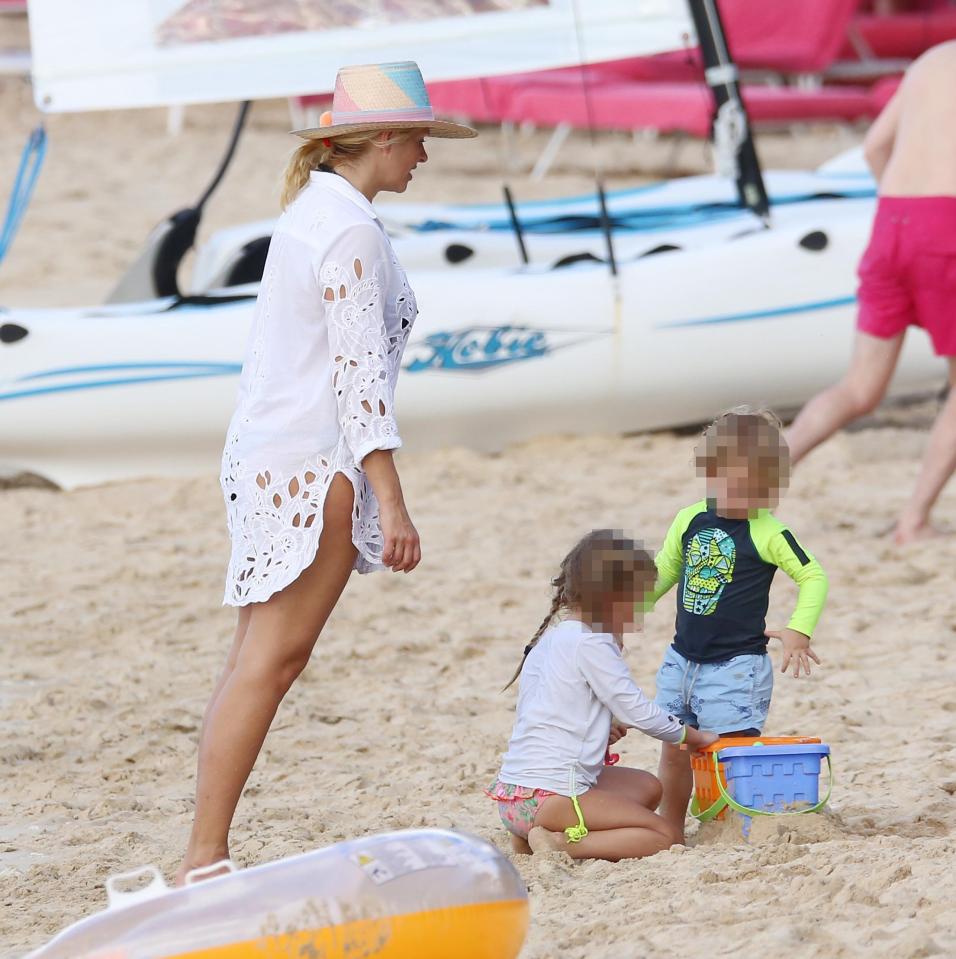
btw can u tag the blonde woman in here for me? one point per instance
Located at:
(310, 486)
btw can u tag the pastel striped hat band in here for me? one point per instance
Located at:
(381, 96)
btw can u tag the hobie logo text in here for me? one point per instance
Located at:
(477, 348)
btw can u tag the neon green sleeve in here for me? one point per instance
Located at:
(776, 544)
(670, 557)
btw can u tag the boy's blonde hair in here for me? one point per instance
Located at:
(605, 565)
(752, 434)
(314, 154)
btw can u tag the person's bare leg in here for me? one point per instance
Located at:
(859, 392)
(939, 462)
(242, 625)
(643, 787)
(619, 827)
(520, 846)
(677, 782)
(612, 845)
(278, 641)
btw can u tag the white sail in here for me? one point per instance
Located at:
(109, 54)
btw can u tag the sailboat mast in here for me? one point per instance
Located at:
(731, 124)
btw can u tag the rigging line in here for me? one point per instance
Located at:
(585, 87)
(720, 46)
(589, 117)
(723, 55)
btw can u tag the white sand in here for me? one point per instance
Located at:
(112, 637)
(112, 633)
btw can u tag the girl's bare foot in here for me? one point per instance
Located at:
(544, 840)
(520, 845)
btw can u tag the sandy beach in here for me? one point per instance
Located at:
(113, 636)
(112, 633)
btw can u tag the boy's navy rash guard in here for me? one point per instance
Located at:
(724, 568)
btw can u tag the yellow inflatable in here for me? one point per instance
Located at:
(419, 894)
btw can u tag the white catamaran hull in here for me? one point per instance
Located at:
(496, 356)
(692, 211)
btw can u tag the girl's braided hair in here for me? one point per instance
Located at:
(605, 565)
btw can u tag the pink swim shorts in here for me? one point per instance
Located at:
(517, 806)
(908, 272)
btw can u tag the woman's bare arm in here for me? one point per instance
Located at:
(402, 549)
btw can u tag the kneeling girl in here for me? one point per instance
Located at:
(555, 789)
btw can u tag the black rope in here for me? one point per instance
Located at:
(181, 236)
(227, 157)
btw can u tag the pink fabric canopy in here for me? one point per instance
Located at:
(903, 35)
(786, 36)
(679, 107)
(790, 36)
(666, 92)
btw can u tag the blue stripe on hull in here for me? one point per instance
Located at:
(764, 314)
(201, 366)
(225, 369)
(200, 370)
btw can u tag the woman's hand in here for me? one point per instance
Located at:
(402, 551)
(796, 649)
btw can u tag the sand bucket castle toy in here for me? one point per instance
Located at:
(759, 776)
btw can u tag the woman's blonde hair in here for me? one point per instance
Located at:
(751, 434)
(605, 565)
(347, 148)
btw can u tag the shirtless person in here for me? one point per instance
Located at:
(907, 275)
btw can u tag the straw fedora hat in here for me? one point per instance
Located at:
(381, 96)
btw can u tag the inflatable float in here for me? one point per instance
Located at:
(416, 894)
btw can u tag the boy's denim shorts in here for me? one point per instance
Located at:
(722, 697)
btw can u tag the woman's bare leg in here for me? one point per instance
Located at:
(619, 827)
(242, 625)
(859, 392)
(274, 649)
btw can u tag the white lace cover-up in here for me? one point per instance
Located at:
(317, 389)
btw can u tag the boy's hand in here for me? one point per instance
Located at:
(618, 731)
(698, 738)
(796, 649)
